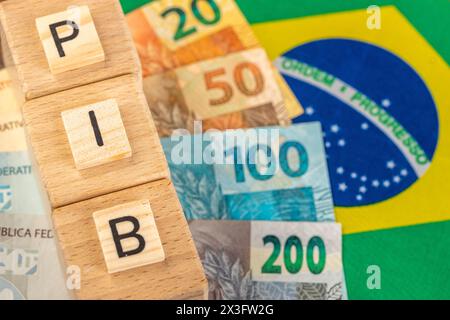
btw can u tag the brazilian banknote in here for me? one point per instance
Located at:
(259, 260)
(17, 182)
(271, 173)
(216, 72)
(29, 264)
(19, 188)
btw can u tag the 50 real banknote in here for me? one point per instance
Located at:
(272, 173)
(206, 49)
(259, 260)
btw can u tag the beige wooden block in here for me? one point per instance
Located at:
(179, 276)
(96, 134)
(128, 235)
(18, 21)
(2, 64)
(70, 39)
(66, 184)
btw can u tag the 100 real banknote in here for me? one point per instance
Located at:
(287, 181)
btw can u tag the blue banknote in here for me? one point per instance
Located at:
(271, 173)
(19, 188)
(29, 264)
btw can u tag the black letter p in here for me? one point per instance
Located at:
(59, 41)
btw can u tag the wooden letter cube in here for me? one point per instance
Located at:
(96, 134)
(70, 39)
(52, 145)
(128, 236)
(21, 40)
(179, 276)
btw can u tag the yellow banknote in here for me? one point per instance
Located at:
(173, 34)
(227, 84)
(12, 133)
(216, 91)
(179, 22)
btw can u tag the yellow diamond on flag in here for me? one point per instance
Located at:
(382, 98)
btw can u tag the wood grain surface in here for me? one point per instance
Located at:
(96, 134)
(76, 43)
(66, 184)
(140, 245)
(18, 22)
(179, 276)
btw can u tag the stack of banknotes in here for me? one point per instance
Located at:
(254, 188)
(29, 264)
(202, 61)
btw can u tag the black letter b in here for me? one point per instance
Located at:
(133, 234)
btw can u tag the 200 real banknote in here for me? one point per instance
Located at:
(259, 260)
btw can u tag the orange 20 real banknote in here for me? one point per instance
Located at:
(202, 61)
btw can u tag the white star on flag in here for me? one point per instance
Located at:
(390, 164)
(334, 128)
(309, 111)
(386, 103)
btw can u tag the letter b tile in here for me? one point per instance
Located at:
(128, 235)
(70, 39)
(117, 213)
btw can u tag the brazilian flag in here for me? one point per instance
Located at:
(376, 75)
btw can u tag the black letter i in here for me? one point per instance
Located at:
(98, 134)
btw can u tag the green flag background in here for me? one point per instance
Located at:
(414, 261)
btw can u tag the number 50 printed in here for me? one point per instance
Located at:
(232, 83)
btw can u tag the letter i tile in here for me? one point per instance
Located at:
(96, 134)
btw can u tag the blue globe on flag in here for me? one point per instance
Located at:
(379, 120)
